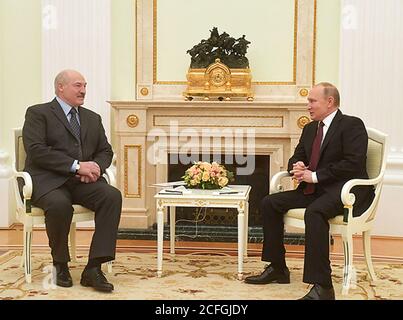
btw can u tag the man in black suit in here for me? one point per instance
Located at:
(332, 149)
(67, 153)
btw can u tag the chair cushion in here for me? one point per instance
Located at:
(300, 212)
(21, 155)
(296, 213)
(77, 209)
(374, 158)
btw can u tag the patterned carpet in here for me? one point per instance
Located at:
(190, 276)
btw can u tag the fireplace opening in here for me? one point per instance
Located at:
(258, 180)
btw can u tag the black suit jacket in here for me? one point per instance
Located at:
(52, 148)
(343, 155)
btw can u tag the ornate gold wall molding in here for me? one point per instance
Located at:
(144, 91)
(303, 121)
(295, 50)
(132, 121)
(126, 171)
(304, 92)
(296, 71)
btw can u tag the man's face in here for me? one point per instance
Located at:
(73, 90)
(319, 106)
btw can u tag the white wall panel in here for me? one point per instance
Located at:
(371, 65)
(371, 78)
(76, 35)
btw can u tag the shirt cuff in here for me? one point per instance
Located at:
(314, 177)
(73, 166)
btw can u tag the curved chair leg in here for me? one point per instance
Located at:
(109, 266)
(73, 243)
(27, 253)
(349, 274)
(23, 253)
(366, 238)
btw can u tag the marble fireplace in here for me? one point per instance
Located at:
(145, 132)
(149, 135)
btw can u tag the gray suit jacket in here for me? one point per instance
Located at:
(52, 148)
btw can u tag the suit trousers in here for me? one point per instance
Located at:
(320, 207)
(103, 199)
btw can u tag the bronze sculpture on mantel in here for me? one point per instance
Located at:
(219, 68)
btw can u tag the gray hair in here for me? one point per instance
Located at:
(61, 78)
(329, 90)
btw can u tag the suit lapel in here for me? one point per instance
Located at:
(83, 122)
(58, 111)
(330, 132)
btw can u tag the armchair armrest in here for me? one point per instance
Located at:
(110, 173)
(275, 183)
(348, 198)
(26, 190)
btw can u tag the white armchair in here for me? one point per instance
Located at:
(31, 216)
(345, 224)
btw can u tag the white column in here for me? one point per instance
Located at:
(371, 77)
(6, 208)
(76, 35)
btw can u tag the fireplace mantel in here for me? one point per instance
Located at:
(145, 132)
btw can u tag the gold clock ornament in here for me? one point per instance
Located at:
(219, 68)
(219, 81)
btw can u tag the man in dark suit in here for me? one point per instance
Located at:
(332, 149)
(67, 153)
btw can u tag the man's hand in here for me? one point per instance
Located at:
(86, 179)
(302, 175)
(89, 172)
(299, 166)
(300, 172)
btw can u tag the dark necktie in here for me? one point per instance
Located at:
(313, 161)
(75, 127)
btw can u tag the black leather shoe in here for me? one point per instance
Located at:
(270, 275)
(95, 278)
(63, 277)
(318, 292)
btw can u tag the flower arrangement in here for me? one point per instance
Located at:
(205, 175)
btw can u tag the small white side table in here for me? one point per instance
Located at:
(203, 198)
